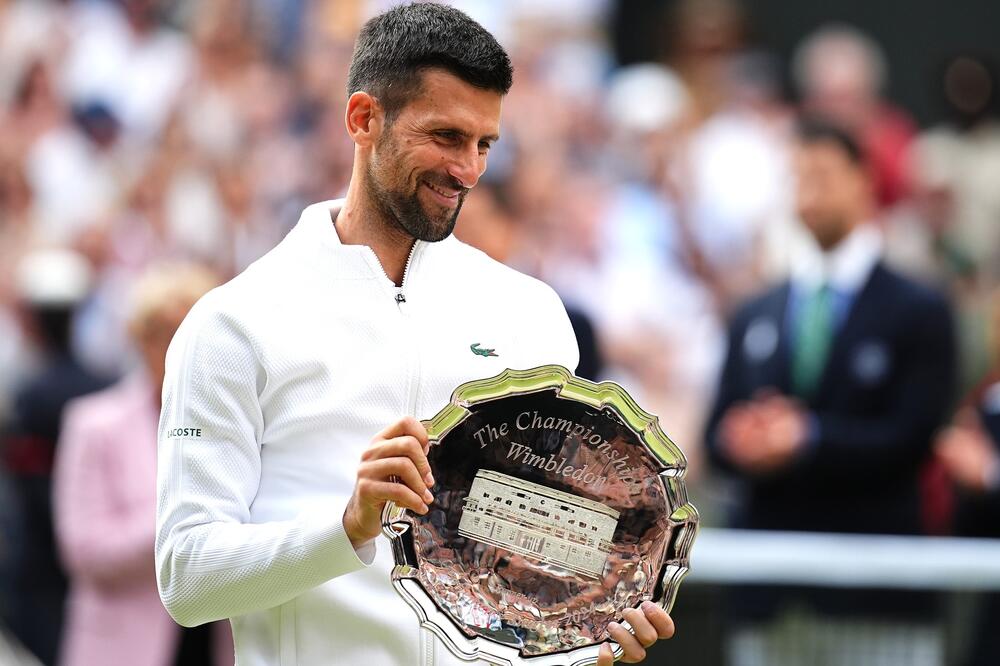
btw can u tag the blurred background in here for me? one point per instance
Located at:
(647, 171)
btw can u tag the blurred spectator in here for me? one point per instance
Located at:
(16, 231)
(841, 74)
(955, 166)
(105, 501)
(646, 247)
(958, 162)
(703, 36)
(970, 451)
(735, 177)
(51, 284)
(69, 175)
(833, 385)
(122, 55)
(952, 235)
(731, 180)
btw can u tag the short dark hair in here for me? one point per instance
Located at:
(816, 129)
(395, 47)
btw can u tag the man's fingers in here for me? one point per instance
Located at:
(405, 426)
(643, 631)
(402, 469)
(605, 657)
(404, 445)
(649, 623)
(633, 650)
(659, 618)
(378, 492)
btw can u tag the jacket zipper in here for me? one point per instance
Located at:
(426, 638)
(400, 298)
(401, 289)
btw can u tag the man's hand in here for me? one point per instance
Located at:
(739, 433)
(785, 427)
(649, 624)
(393, 468)
(765, 434)
(967, 453)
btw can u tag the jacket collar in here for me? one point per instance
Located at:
(316, 233)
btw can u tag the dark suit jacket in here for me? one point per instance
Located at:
(886, 388)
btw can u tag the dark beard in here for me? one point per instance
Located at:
(405, 211)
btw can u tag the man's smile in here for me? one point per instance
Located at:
(447, 196)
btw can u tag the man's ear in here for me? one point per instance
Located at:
(364, 118)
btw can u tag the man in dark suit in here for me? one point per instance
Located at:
(833, 386)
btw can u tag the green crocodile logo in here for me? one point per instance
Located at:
(481, 352)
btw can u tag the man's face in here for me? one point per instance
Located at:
(432, 153)
(831, 191)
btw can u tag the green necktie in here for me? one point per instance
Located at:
(813, 334)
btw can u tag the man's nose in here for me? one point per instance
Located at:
(467, 167)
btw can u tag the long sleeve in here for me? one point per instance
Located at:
(100, 540)
(211, 561)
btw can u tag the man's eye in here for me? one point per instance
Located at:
(447, 137)
(484, 147)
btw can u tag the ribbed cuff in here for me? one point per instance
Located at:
(326, 537)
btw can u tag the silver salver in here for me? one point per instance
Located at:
(559, 503)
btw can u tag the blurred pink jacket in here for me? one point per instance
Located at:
(105, 515)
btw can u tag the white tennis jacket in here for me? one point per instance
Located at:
(276, 382)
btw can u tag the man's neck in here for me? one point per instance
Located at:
(852, 223)
(844, 266)
(361, 223)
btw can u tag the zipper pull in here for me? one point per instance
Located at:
(400, 298)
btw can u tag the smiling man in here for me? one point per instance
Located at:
(293, 393)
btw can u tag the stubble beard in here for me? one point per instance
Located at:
(403, 210)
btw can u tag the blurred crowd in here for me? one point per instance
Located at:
(138, 136)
